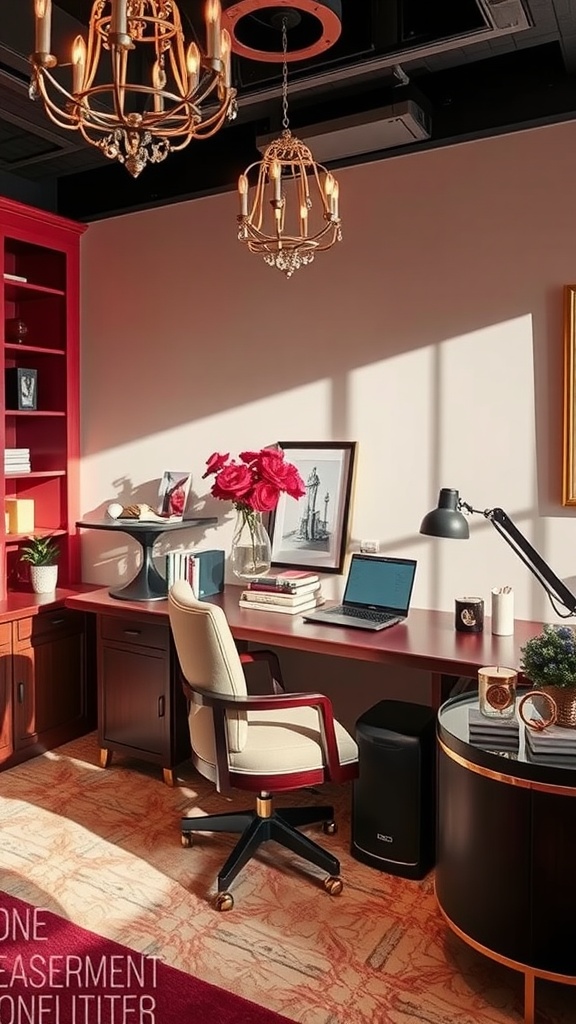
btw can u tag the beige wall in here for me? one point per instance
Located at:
(432, 335)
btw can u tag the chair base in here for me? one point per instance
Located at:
(255, 829)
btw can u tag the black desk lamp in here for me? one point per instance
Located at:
(447, 520)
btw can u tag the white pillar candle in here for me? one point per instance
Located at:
(502, 611)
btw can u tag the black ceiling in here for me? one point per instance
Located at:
(477, 67)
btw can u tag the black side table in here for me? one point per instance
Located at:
(506, 842)
(148, 584)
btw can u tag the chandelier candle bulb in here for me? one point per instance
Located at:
(502, 611)
(119, 18)
(226, 57)
(243, 193)
(78, 65)
(43, 12)
(158, 82)
(213, 33)
(193, 67)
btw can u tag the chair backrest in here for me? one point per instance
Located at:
(209, 661)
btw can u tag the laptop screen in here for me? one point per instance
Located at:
(380, 582)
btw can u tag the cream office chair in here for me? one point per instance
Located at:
(265, 744)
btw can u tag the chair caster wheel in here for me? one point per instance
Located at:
(330, 828)
(186, 839)
(224, 901)
(333, 885)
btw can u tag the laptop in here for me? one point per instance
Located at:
(377, 594)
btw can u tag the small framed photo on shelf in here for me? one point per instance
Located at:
(173, 493)
(21, 389)
(312, 532)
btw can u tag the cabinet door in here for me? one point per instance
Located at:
(134, 690)
(5, 701)
(49, 679)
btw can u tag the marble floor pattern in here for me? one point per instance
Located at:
(102, 847)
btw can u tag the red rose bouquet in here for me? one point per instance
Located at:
(253, 483)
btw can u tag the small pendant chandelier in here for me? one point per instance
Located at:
(150, 99)
(293, 212)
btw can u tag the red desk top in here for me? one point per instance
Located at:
(427, 640)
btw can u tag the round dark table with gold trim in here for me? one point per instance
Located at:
(506, 852)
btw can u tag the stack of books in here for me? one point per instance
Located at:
(16, 460)
(493, 734)
(553, 746)
(291, 591)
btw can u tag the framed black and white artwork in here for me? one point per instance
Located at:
(312, 532)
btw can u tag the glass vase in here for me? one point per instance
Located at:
(251, 553)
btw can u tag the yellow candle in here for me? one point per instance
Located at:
(226, 57)
(243, 192)
(193, 67)
(213, 36)
(158, 82)
(78, 64)
(276, 175)
(43, 12)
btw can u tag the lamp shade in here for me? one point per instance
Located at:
(446, 520)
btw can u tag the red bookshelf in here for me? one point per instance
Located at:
(43, 249)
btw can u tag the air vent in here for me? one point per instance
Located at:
(506, 14)
(399, 124)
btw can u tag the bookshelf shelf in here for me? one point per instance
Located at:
(43, 249)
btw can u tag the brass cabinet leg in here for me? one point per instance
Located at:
(529, 998)
(168, 776)
(105, 757)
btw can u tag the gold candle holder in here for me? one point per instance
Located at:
(497, 691)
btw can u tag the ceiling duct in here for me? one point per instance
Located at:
(398, 124)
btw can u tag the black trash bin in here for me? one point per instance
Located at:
(394, 796)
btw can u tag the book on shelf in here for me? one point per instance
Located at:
(283, 609)
(15, 277)
(15, 469)
(288, 600)
(16, 451)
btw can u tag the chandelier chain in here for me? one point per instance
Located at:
(285, 121)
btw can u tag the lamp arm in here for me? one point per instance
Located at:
(531, 558)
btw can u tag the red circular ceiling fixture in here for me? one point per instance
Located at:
(255, 27)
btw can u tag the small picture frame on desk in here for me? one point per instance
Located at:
(21, 389)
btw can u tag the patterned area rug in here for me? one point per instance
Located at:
(102, 848)
(54, 971)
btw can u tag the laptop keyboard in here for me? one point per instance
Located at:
(362, 613)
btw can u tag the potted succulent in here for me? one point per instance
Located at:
(42, 554)
(549, 662)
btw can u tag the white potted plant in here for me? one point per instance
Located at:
(42, 554)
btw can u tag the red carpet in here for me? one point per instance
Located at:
(53, 972)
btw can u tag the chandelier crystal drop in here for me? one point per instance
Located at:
(293, 212)
(137, 91)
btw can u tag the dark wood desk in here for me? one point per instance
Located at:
(141, 710)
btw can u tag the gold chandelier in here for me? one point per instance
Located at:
(137, 121)
(293, 212)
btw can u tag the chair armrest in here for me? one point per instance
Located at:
(220, 703)
(251, 657)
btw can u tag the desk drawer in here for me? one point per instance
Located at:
(135, 631)
(56, 623)
(5, 632)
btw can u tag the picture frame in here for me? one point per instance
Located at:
(173, 492)
(312, 532)
(22, 389)
(569, 399)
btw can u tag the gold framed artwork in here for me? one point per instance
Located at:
(569, 414)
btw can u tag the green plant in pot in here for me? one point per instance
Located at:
(42, 554)
(549, 662)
